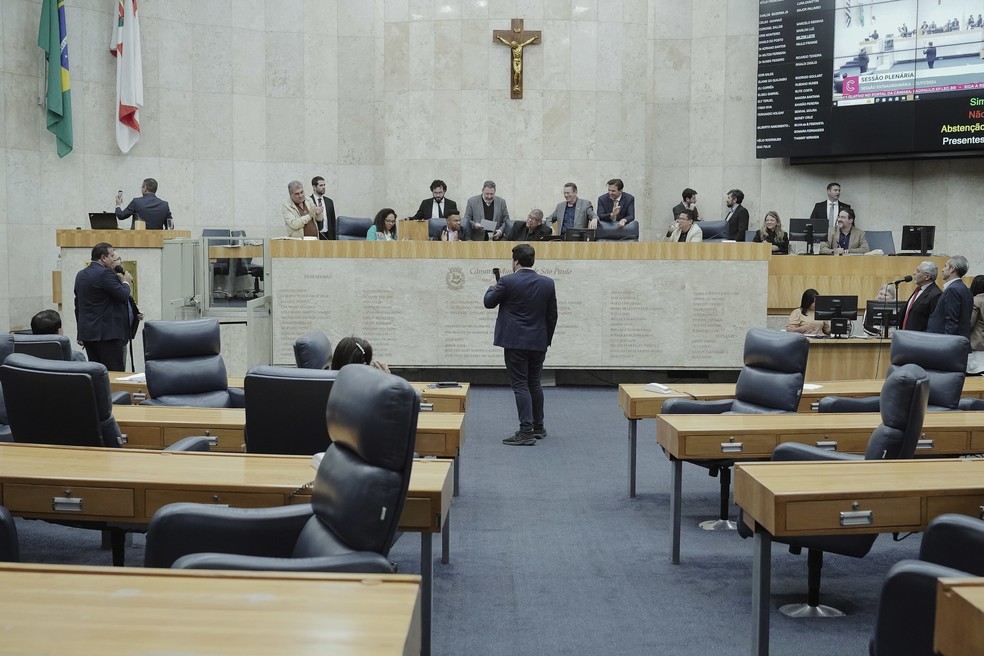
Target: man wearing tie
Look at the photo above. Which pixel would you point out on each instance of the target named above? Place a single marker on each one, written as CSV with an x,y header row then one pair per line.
x,y
324,209
737,216
923,301
830,208
952,313
437,207
616,206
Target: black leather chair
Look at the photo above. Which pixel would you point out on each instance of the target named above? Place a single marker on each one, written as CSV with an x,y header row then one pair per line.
x,y
312,351
944,358
713,230
183,365
904,399
359,493
249,265
951,547
352,228
6,348
9,547
50,347
285,410
609,231
771,382
434,227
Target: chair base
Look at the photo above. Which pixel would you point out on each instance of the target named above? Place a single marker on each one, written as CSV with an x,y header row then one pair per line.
x,y
806,610
719,525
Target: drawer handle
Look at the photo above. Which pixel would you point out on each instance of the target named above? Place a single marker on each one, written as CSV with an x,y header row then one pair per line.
x,y
981,512
732,447
857,518
123,438
815,406
826,445
66,504
426,407
212,441
925,444
139,396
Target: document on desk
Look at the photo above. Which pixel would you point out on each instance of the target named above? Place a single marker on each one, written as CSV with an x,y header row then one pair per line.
x,y
809,387
135,378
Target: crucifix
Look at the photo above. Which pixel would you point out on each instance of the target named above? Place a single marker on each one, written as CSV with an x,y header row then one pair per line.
x,y
516,38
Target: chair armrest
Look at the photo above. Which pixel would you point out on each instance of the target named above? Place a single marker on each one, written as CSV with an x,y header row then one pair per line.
x,y
971,404
121,398
360,562
955,541
237,398
179,529
194,443
795,452
847,404
691,407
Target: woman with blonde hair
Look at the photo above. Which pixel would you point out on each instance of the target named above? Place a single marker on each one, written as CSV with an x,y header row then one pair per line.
x,y
771,232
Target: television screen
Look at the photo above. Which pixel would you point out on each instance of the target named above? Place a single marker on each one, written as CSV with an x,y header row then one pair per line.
x,y
841,78
879,315
918,238
836,307
798,229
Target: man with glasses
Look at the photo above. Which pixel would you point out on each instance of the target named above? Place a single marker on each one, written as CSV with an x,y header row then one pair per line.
x,y
436,207
532,230
923,301
952,313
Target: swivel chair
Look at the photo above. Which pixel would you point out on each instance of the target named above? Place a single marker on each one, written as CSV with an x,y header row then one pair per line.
x,y
714,230
358,496
285,410
183,365
771,382
609,231
312,351
352,228
50,347
434,227
6,348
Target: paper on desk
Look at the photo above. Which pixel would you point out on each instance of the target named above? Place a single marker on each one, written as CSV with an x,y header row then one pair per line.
x,y
135,378
811,386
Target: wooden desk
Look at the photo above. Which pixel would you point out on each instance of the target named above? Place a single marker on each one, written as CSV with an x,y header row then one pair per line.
x,y
52,609
783,499
637,403
847,359
413,230
959,617
234,252
753,437
128,486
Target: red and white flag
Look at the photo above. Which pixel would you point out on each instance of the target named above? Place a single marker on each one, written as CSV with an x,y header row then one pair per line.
x,y
129,74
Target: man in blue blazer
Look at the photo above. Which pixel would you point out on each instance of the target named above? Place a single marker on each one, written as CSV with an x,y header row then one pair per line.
x,y
524,329
148,207
616,206
101,301
952,313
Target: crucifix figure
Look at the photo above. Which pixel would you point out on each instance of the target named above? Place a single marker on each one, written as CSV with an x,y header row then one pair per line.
x,y
516,38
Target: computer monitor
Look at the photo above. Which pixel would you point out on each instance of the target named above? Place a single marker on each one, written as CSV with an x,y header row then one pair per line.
x,y
579,234
838,310
103,221
812,231
879,316
918,238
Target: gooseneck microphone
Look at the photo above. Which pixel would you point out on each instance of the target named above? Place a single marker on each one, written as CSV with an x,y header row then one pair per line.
x,y
906,279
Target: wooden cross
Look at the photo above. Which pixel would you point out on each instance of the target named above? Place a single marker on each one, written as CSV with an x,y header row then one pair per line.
x,y
516,38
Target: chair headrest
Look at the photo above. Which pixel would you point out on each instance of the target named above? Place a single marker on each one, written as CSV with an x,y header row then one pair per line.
x,y
6,346
289,373
932,351
52,347
32,363
776,350
902,389
312,351
181,339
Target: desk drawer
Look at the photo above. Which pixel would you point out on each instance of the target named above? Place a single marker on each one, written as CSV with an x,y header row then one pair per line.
x,y
230,440
417,516
70,500
434,444
977,441
444,404
155,499
848,442
969,504
725,446
143,437
942,443
826,515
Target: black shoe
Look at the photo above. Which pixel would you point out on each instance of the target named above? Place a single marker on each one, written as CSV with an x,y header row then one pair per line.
x,y
539,433
520,439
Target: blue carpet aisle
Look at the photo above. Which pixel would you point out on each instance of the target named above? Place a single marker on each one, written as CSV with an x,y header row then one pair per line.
x,y
550,556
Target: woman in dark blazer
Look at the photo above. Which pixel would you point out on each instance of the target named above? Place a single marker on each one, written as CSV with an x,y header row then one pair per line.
x,y
772,232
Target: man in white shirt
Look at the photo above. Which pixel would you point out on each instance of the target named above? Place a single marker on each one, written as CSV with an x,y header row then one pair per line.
x,y
324,209
437,207
830,208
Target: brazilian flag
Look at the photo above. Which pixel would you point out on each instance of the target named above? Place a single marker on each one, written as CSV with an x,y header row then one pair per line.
x,y
53,39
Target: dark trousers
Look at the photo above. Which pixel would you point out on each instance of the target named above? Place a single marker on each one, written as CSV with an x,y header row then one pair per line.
x,y
525,368
111,353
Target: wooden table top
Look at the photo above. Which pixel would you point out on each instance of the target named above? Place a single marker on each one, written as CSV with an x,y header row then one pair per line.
x,y
51,609
959,617
798,423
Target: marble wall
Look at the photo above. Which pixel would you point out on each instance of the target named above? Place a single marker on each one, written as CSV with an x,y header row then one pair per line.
x,y
382,96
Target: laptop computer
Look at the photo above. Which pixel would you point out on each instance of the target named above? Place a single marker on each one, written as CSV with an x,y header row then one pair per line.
x,y
103,221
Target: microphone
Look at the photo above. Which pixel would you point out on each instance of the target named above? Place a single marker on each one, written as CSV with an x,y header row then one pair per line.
x,y
119,268
906,279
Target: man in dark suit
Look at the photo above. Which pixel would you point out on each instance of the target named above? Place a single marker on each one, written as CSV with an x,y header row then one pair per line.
x,y
923,301
101,301
524,329
437,207
616,206
830,208
737,216
689,204
532,230
324,209
150,209
573,212
952,313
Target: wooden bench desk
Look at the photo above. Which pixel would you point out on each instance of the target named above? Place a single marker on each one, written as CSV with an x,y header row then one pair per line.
x,y
61,609
959,617
127,486
785,499
753,437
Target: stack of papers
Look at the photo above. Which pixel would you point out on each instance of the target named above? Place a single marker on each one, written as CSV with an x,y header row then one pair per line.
x,y
135,378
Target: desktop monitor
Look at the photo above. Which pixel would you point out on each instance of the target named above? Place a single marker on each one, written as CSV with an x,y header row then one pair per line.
x,y
879,316
812,231
103,221
579,234
918,238
838,310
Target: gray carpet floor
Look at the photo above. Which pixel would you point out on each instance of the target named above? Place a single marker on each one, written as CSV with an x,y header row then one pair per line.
x,y
550,556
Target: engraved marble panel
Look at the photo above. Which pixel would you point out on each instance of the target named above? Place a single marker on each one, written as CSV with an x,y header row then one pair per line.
x,y
421,61
557,125
284,67
23,119
321,17
475,65
356,75
249,68
584,57
672,73
284,16
23,173
321,66
448,55
396,57
176,61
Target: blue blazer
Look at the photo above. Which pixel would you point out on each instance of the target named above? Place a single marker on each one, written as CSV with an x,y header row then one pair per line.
x,y
101,302
527,310
952,313
151,209
626,202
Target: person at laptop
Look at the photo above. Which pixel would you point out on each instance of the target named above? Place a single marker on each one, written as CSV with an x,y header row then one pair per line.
x,y
150,209
573,212
684,229
532,230
49,322
801,320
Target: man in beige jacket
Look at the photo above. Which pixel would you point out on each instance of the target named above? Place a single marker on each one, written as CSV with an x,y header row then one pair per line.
x,y
298,212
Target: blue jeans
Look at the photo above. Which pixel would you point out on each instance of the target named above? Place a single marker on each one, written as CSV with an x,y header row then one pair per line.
x,y
525,368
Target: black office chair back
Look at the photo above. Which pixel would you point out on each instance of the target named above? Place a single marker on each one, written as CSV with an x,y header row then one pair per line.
x,y
904,398
6,348
944,358
181,359
312,351
49,347
361,487
57,402
774,371
285,410
434,228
